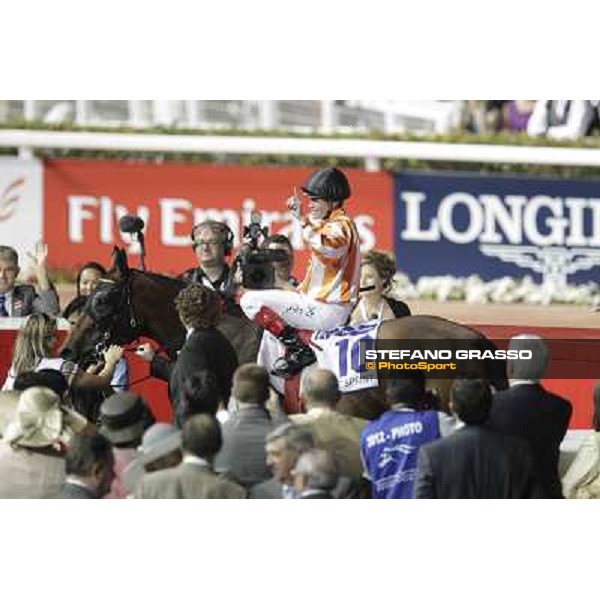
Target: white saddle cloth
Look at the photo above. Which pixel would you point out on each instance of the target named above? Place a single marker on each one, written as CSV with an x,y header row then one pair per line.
x,y
336,349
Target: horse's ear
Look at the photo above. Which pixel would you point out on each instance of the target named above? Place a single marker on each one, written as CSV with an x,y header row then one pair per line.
x,y
120,265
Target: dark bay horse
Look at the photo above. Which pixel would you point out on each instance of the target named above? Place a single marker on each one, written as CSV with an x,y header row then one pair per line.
x,y
130,304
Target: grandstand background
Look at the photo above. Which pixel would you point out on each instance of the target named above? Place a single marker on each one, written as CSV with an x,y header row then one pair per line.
x,y
325,116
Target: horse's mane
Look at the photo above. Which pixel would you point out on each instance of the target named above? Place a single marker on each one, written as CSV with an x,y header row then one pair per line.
x,y
159,277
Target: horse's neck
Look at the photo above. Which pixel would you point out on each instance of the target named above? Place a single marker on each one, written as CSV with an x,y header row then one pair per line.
x,y
156,312
170,336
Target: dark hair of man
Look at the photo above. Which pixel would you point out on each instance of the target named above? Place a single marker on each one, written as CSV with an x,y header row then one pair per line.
x,y
201,436
198,306
407,390
200,394
471,400
251,384
278,238
85,451
48,378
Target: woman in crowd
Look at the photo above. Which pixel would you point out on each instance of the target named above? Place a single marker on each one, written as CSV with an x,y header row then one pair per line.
x,y
376,273
88,277
86,282
33,351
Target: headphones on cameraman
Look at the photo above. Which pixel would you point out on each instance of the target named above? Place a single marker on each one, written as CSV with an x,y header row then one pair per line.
x,y
227,236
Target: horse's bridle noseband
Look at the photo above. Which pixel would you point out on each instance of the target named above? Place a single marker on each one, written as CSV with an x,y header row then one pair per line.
x,y
114,319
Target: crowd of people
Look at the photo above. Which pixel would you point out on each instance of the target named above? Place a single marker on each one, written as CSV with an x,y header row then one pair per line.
x,y
554,119
76,431
503,445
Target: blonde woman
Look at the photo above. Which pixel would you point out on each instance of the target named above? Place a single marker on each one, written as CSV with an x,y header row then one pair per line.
x,y
376,272
33,351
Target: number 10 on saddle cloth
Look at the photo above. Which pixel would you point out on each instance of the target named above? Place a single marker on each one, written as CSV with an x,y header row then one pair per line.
x,y
341,350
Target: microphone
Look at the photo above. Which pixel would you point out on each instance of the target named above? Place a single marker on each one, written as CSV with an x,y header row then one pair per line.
x,y
254,229
131,224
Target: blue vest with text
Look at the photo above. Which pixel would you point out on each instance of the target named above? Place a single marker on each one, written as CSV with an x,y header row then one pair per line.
x,y
390,446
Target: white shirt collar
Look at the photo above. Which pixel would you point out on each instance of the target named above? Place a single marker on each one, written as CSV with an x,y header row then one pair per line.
x,y
514,382
188,459
188,332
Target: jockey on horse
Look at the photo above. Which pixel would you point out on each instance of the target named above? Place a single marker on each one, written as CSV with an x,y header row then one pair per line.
x,y
324,300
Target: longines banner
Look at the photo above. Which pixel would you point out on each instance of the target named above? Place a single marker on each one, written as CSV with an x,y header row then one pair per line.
x,y
85,199
462,224
21,209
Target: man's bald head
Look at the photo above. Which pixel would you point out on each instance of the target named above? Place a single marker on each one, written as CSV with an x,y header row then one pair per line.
x,y
319,387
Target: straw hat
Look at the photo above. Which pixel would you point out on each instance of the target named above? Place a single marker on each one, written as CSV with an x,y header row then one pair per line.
x,y
39,420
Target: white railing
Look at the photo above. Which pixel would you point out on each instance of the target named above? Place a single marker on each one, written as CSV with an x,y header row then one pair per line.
x,y
323,116
369,150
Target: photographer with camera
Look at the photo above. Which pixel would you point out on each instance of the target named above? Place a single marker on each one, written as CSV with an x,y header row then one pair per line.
x,y
284,280
325,298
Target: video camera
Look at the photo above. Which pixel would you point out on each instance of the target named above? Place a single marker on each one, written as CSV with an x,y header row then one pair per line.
x,y
256,263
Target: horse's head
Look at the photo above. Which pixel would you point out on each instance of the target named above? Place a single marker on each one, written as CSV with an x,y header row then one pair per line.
x,y
108,316
127,304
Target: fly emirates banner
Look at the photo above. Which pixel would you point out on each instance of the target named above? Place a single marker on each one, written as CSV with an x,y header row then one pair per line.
x,y
84,200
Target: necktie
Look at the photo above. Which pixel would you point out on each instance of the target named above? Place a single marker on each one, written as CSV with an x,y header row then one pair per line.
x,y
3,311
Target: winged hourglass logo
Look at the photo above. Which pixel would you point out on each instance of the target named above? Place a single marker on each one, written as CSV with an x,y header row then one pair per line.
x,y
554,263
10,197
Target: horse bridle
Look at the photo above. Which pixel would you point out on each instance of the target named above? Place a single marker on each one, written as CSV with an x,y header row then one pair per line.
x,y
120,322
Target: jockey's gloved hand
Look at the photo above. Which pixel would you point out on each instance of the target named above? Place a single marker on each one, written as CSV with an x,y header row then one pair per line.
x,y
294,205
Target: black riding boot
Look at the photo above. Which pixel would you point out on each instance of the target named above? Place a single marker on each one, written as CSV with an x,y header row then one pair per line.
x,y
297,356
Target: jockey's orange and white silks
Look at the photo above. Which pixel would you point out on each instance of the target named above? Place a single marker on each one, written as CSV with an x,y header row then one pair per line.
x,y
333,274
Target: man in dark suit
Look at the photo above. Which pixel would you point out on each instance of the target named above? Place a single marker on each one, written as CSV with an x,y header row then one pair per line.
x,y
475,462
244,433
528,411
205,348
89,467
22,300
194,477
315,475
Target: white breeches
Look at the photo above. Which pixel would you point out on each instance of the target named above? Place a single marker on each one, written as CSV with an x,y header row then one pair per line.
x,y
296,309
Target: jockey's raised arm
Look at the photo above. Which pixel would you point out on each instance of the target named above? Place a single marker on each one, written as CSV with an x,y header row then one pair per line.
x,y
327,294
